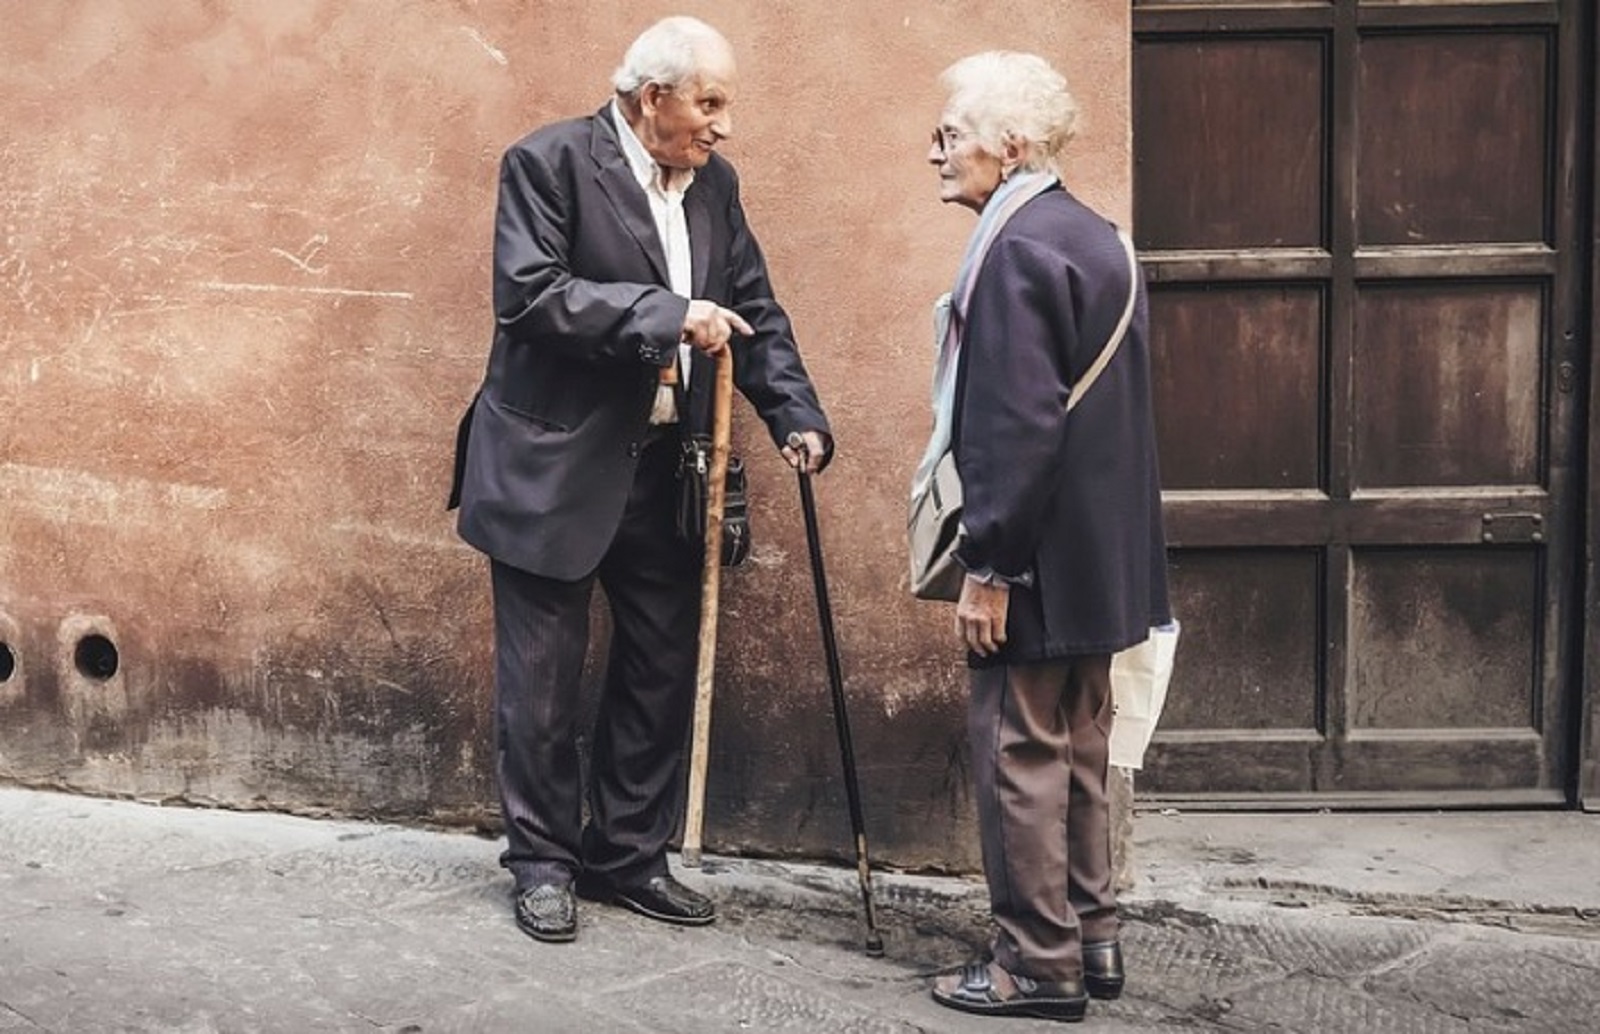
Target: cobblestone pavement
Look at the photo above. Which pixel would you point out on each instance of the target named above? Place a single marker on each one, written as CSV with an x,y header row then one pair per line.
x,y
117,916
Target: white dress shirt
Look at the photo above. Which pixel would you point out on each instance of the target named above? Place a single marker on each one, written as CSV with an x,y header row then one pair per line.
x,y
664,188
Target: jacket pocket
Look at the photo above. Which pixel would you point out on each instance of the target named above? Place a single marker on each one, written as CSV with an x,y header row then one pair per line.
x,y
543,423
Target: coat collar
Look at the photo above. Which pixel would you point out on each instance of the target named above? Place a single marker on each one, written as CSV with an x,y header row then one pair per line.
x,y
617,179
698,216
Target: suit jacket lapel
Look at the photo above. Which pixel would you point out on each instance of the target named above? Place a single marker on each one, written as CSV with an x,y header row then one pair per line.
x,y
699,220
616,178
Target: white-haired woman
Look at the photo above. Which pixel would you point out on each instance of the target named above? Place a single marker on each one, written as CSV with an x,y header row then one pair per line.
x,y
1061,530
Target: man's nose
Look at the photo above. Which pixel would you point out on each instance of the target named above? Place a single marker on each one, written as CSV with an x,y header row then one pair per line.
x,y
722,125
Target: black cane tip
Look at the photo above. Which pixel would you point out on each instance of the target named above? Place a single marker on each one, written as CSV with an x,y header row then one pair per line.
x,y
874,946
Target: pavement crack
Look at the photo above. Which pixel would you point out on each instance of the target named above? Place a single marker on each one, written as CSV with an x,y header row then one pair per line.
x,y
1561,960
1404,960
1436,1007
1501,914
1166,913
19,1014
655,976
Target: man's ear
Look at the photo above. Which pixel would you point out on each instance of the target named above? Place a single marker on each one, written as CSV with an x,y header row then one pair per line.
x,y
650,97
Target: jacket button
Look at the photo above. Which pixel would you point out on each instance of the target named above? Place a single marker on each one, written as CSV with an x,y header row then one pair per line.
x,y
633,450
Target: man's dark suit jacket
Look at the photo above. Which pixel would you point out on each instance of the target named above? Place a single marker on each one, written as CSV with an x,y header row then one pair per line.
x,y
583,317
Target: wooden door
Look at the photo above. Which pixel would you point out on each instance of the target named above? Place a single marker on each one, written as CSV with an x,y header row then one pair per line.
x,y
1361,226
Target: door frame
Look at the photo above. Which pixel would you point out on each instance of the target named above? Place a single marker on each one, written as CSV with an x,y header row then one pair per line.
x,y
1588,678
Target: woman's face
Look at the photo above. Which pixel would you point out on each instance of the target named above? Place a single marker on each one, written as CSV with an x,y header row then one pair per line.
x,y
968,174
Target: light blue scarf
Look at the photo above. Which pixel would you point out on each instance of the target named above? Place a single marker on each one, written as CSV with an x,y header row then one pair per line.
x,y
949,312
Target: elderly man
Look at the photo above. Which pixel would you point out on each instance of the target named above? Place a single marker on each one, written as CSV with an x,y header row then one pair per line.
x,y
623,265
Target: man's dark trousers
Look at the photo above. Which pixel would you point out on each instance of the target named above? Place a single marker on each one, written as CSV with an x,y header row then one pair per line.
x,y
652,582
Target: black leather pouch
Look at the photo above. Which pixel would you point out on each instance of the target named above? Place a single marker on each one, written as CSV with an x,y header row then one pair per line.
x,y
694,496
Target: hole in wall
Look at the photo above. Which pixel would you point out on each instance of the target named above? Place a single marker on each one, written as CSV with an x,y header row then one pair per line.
x,y
8,663
96,657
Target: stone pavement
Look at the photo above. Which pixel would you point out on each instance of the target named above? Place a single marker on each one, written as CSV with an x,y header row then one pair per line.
x,y
119,916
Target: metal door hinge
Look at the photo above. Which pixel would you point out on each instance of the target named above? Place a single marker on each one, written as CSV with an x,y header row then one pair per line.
x,y
1513,527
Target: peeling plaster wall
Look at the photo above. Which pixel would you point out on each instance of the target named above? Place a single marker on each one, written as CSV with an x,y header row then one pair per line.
x,y
243,272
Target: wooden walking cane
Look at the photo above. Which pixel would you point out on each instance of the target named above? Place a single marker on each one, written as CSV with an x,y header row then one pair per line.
x,y
710,581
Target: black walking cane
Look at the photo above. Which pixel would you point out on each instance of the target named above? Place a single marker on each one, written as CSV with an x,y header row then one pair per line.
x,y
841,718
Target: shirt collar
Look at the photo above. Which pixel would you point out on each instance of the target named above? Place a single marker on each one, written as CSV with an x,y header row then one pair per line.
x,y
644,167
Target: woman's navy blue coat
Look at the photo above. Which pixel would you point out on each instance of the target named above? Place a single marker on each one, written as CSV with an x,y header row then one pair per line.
x,y
1072,499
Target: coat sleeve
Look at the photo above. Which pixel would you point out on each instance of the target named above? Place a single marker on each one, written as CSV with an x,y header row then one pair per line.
x,y
1011,420
538,300
767,365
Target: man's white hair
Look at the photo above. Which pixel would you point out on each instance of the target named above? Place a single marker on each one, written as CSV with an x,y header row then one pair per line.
x,y
670,52
1003,95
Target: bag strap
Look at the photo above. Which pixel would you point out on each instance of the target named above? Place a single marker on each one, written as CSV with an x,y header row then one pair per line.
x,y
1104,359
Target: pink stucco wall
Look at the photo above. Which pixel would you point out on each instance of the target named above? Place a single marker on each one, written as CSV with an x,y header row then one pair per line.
x,y
243,267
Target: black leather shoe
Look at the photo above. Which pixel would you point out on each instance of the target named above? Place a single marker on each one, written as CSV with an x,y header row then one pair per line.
x,y
547,912
972,989
661,898
1102,969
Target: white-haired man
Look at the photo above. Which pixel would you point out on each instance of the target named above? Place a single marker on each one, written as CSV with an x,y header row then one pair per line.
x,y
623,265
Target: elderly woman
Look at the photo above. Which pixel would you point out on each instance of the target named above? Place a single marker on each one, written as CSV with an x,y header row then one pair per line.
x,y
1061,532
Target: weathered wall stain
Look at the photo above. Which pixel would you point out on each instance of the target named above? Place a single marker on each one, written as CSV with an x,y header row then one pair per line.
x,y
243,268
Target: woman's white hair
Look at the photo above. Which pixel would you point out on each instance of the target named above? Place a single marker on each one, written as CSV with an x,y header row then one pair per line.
x,y
1003,95
670,53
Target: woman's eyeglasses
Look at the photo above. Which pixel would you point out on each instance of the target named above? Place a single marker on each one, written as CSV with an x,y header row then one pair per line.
x,y
948,138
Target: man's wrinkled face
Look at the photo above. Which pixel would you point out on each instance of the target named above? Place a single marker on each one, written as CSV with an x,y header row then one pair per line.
x,y
683,125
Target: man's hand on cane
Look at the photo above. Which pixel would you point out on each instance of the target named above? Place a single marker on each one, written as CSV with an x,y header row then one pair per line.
x,y
709,326
808,451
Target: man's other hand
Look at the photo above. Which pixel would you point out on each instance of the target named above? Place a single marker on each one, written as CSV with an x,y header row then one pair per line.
x,y
813,448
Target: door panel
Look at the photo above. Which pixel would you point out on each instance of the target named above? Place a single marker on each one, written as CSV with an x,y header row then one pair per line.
x,y
1448,381
1360,226
1269,598
1447,640
1453,139
1201,189
1257,352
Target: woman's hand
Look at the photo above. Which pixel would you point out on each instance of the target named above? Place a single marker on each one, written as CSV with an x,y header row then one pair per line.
x,y
981,615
